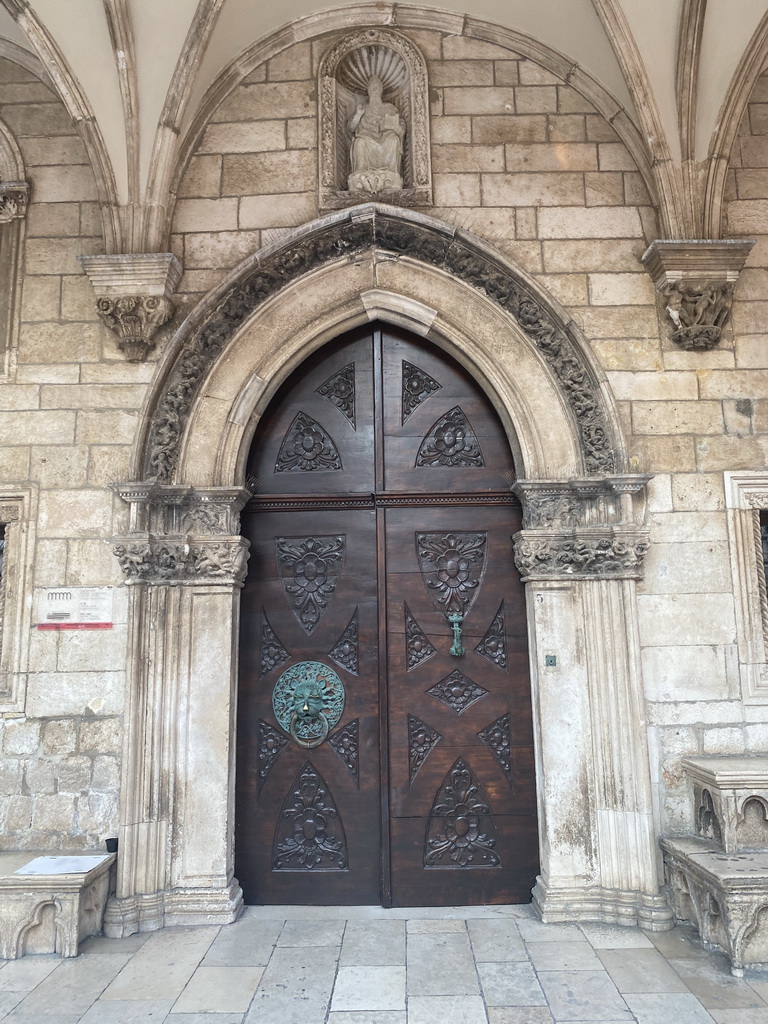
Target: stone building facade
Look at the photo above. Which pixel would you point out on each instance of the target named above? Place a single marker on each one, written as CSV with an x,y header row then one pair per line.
x,y
542,249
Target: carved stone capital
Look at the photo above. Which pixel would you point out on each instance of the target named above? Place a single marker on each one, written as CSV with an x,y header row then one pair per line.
x,y
580,554
133,296
145,558
582,528
695,278
579,502
135,320
14,196
199,512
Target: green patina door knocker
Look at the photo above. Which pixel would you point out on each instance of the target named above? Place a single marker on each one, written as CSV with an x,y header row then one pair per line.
x,y
308,701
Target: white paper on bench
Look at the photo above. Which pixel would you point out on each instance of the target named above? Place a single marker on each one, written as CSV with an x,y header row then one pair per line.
x,y
60,865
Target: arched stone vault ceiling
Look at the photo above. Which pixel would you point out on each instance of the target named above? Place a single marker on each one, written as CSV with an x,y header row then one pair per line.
x,y
133,73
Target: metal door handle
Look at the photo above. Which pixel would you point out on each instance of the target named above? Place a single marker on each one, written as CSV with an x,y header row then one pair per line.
x,y
456,619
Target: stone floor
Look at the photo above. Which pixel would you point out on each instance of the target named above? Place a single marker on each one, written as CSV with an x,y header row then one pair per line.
x,y
363,965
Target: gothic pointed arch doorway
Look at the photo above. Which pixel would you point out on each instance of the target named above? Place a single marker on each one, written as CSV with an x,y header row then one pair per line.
x,y
382,567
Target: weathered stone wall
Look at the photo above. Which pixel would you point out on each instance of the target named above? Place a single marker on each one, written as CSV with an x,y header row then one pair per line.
x,y
692,674
66,426
520,158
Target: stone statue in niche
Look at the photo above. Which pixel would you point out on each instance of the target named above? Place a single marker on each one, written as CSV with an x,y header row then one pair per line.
x,y
376,151
373,107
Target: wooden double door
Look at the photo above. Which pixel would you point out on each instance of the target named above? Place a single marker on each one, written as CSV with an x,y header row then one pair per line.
x,y
381,584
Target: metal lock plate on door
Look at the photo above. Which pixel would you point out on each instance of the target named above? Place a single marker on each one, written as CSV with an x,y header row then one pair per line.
x,y
308,701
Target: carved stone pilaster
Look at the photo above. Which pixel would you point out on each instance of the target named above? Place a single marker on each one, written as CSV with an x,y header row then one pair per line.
x,y
184,560
580,529
695,278
14,196
133,296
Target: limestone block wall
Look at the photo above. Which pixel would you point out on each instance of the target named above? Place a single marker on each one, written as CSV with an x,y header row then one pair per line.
x,y
67,421
693,678
526,162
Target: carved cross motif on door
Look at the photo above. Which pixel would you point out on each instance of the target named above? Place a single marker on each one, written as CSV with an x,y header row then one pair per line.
x,y
309,570
461,831
452,566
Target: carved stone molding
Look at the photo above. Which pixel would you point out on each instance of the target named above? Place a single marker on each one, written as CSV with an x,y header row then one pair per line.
x,y
14,196
746,495
695,278
348,236
133,296
342,77
580,528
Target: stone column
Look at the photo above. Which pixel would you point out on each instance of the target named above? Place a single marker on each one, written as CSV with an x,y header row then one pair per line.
x,y
580,553
184,561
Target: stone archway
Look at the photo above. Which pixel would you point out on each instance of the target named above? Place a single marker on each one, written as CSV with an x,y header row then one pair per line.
x,y
580,553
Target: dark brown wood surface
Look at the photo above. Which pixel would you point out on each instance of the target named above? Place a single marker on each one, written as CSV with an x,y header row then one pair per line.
x,y
379,512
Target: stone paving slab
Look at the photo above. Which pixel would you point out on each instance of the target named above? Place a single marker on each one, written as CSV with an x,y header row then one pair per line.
x,y
367,965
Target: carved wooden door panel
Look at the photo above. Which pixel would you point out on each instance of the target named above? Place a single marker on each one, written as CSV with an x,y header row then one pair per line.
x,y
382,557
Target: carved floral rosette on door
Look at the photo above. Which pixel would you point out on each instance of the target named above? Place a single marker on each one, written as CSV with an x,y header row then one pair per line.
x,y
385,726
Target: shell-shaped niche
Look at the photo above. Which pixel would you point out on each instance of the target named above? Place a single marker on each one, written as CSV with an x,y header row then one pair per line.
x,y
374,148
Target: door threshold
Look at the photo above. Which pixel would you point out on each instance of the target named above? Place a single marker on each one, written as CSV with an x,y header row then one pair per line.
x,y
293,913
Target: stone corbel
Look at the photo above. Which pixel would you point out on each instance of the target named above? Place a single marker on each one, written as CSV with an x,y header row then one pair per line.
x,y
133,296
580,529
14,196
695,278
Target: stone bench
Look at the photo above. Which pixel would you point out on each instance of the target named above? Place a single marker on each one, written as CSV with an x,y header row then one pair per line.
x,y
724,895
50,903
719,878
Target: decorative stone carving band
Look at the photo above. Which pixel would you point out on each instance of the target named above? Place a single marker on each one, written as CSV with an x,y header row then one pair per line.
x,y
580,556
133,296
14,196
177,560
348,236
695,279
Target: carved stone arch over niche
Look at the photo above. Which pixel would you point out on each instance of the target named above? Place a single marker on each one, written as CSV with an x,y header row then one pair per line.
x,y
343,77
496,319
